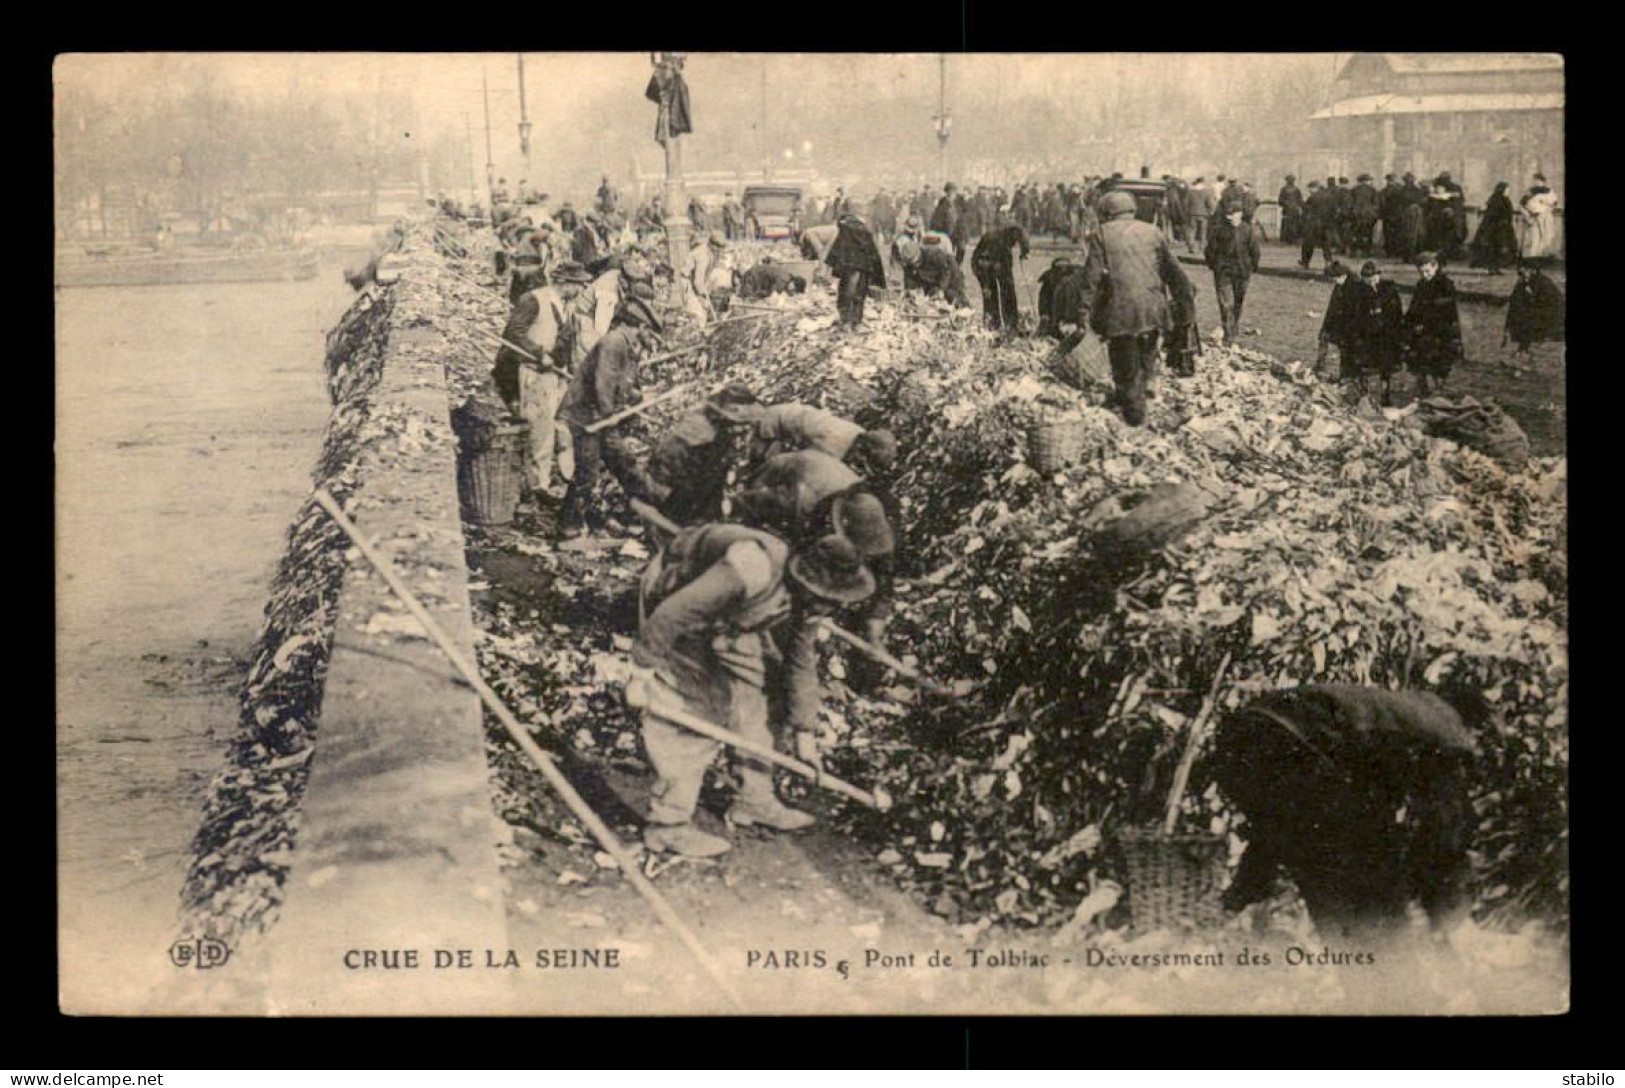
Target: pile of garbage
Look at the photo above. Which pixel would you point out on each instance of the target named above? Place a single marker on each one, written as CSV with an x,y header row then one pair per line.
x,y
1258,532
1294,540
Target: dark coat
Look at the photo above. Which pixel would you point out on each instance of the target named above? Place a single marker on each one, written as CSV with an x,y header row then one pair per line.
x,y
1360,794
607,380
1376,324
1290,198
1433,325
668,83
1231,252
1128,274
998,247
944,216
939,272
1496,242
763,280
1337,327
1061,297
1535,310
855,251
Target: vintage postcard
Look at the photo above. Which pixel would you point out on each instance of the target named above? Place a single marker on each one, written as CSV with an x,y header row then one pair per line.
x,y
627,533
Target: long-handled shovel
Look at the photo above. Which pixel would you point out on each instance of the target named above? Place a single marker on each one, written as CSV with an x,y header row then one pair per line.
x,y
878,801
544,762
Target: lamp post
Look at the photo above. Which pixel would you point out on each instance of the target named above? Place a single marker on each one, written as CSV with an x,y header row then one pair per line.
x,y
943,119
524,118
672,192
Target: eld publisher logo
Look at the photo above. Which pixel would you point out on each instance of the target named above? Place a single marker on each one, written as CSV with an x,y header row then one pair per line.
x,y
200,952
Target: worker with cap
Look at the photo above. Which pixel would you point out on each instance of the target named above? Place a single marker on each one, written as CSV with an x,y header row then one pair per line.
x,y
729,633
1360,795
694,462
710,277
932,271
1129,275
527,262
605,384
531,380
855,261
994,262
770,278
807,494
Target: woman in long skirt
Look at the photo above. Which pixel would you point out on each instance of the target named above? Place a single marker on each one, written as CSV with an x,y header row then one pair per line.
x,y
1495,245
1539,208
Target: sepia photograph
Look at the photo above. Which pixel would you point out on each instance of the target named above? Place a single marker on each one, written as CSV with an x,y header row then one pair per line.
x,y
661,533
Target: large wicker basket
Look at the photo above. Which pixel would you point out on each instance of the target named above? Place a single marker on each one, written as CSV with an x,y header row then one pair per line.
x,y
1054,444
1174,881
490,474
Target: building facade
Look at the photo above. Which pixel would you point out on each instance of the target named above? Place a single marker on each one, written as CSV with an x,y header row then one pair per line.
x,y
1484,117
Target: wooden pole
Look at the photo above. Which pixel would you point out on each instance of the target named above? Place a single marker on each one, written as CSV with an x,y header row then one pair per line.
x,y
1193,743
544,762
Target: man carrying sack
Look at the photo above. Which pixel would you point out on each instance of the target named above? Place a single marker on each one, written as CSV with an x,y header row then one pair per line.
x,y
729,625
532,379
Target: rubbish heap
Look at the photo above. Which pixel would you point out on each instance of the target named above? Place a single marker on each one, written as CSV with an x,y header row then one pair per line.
x,y
1283,538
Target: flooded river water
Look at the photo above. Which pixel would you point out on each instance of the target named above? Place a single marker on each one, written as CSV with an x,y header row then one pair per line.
x,y
188,421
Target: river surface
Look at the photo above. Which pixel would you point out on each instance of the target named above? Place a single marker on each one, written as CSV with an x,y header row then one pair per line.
x,y
188,419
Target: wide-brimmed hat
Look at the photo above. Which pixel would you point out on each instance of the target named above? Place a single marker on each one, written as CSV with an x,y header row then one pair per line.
x,y
878,447
859,516
832,568
571,272
735,402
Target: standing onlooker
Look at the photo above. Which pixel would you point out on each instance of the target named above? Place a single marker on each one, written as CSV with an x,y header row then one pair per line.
x,y
1376,331
1367,209
1318,226
1539,207
1201,208
1290,199
1495,244
1232,253
1534,311
1336,326
1432,327
1392,205
855,260
1129,273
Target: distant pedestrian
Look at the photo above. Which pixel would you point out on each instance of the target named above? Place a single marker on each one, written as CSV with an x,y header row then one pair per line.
x,y
1319,227
1365,208
1336,327
994,263
1290,199
1201,208
1495,244
1232,253
1539,208
1534,311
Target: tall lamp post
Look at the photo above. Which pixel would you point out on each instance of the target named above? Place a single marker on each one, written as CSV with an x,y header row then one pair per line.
x,y
524,118
944,120
668,67
490,166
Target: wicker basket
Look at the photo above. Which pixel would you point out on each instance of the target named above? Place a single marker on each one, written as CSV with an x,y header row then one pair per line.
x,y
1054,444
1174,881
490,477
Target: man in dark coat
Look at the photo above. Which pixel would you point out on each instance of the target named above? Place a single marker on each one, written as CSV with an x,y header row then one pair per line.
x,y
1336,327
1366,209
1232,252
770,278
932,270
1291,200
1495,244
1345,212
1412,218
1319,228
1391,204
994,263
1376,332
855,260
1534,310
1129,274
945,213
1432,327
1061,300
605,384
1360,795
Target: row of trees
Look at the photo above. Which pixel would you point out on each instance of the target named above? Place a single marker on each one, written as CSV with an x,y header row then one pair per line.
x,y
194,145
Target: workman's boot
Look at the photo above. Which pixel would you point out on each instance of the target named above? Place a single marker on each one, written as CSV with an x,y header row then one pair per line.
x,y
684,839
773,813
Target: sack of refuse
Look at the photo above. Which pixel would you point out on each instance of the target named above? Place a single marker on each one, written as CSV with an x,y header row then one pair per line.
x,y
1476,425
1139,522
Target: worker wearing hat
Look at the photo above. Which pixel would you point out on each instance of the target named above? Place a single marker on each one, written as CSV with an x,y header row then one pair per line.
x,y
1129,306
604,385
729,629
711,277
530,375
1365,208
694,460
